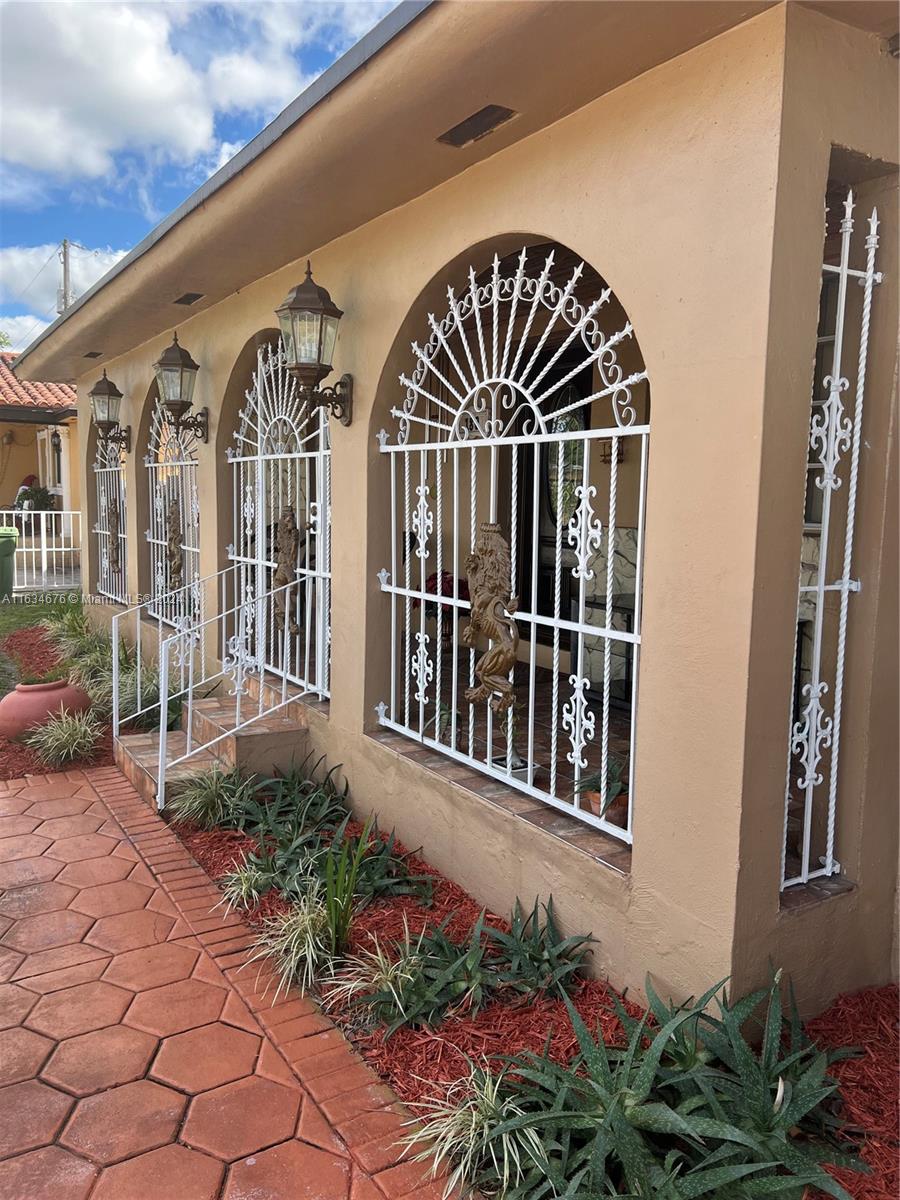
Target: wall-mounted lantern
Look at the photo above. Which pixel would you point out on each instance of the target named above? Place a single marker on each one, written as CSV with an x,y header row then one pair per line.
x,y
309,321
106,400
176,374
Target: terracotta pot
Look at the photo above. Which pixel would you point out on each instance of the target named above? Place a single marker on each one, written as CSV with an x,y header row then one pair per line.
x,y
30,704
616,813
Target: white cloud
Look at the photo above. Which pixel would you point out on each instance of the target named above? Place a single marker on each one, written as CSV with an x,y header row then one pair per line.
x,y
81,83
30,275
22,330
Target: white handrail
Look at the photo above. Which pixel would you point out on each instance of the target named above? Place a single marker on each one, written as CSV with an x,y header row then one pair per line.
x,y
244,657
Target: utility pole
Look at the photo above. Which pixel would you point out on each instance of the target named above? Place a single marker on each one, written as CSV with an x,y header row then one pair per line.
x,y
64,298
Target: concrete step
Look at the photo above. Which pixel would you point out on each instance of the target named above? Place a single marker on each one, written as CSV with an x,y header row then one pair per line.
x,y
137,756
274,742
271,687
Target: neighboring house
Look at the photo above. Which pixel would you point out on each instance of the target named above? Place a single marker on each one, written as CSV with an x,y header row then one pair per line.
x,y
31,413
588,597
39,446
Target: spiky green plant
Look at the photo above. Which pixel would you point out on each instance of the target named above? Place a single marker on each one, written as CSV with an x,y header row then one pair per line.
x,y
534,956
65,738
340,873
245,886
479,1130
299,942
212,797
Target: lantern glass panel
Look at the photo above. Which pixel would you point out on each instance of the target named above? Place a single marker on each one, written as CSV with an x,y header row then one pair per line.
x,y
329,337
307,325
105,407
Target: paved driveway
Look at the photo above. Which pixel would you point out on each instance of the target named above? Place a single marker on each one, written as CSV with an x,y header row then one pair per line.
x,y
137,1060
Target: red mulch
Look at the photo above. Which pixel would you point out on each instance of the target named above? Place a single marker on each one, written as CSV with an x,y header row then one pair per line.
x,y
33,650
18,760
421,1063
870,1084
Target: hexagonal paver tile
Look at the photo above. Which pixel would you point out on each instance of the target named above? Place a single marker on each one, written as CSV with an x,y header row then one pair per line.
x,y
31,1115
176,1007
22,1053
48,1174
11,826
124,1121
46,930
10,961
111,898
79,1009
66,827
241,1118
175,1171
59,789
89,845
56,960
101,1059
15,1005
36,898
90,872
48,810
274,1174
23,871
26,845
152,966
206,1057
12,806
130,930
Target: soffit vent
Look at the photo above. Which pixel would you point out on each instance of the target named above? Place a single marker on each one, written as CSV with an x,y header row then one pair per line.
x,y
479,125
94,354
190,298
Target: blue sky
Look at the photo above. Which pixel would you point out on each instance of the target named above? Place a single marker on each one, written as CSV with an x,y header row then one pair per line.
x,y
112,113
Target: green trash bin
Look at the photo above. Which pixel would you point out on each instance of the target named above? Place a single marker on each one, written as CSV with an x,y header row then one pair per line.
x,y
9,537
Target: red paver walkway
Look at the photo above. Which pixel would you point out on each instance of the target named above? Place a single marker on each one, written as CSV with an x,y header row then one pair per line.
x,y
137,1060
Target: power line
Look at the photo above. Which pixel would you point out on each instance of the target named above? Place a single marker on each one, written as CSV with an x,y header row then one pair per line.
x,y
39,271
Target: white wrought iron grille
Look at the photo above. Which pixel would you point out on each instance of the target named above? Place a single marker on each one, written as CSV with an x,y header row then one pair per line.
x,y
518,478
826,557
111,524
281,461
174,533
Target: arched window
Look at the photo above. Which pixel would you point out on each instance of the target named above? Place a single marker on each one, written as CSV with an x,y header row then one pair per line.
x,y
174,533
281,463
518,476
110,527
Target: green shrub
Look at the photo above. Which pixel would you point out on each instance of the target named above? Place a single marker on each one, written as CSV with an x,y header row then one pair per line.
x,y
213,797
535,957
65,738
689,1108
51,676
340,872
299,941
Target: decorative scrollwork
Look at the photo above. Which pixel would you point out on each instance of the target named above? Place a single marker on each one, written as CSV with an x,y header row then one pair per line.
x,y
422,668
491,616
489,362
422,521
830,433
578,721
811,735
585,532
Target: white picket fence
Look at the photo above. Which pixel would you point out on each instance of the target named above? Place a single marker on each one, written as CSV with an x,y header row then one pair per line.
x,y
48,552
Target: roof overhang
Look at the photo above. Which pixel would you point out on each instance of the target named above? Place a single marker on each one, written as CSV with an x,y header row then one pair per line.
x,y
361,140
22,414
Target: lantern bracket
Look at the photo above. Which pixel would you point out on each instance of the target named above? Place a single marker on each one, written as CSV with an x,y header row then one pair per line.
x,y
112,433
196,423
338,399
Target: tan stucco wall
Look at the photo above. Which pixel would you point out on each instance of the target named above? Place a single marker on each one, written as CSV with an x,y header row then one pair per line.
x,y
18,458
669,187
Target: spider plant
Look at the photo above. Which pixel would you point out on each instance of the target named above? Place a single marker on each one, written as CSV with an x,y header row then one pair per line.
x,y
300,943
376,980
213,797
244,887
475,1127
65,738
